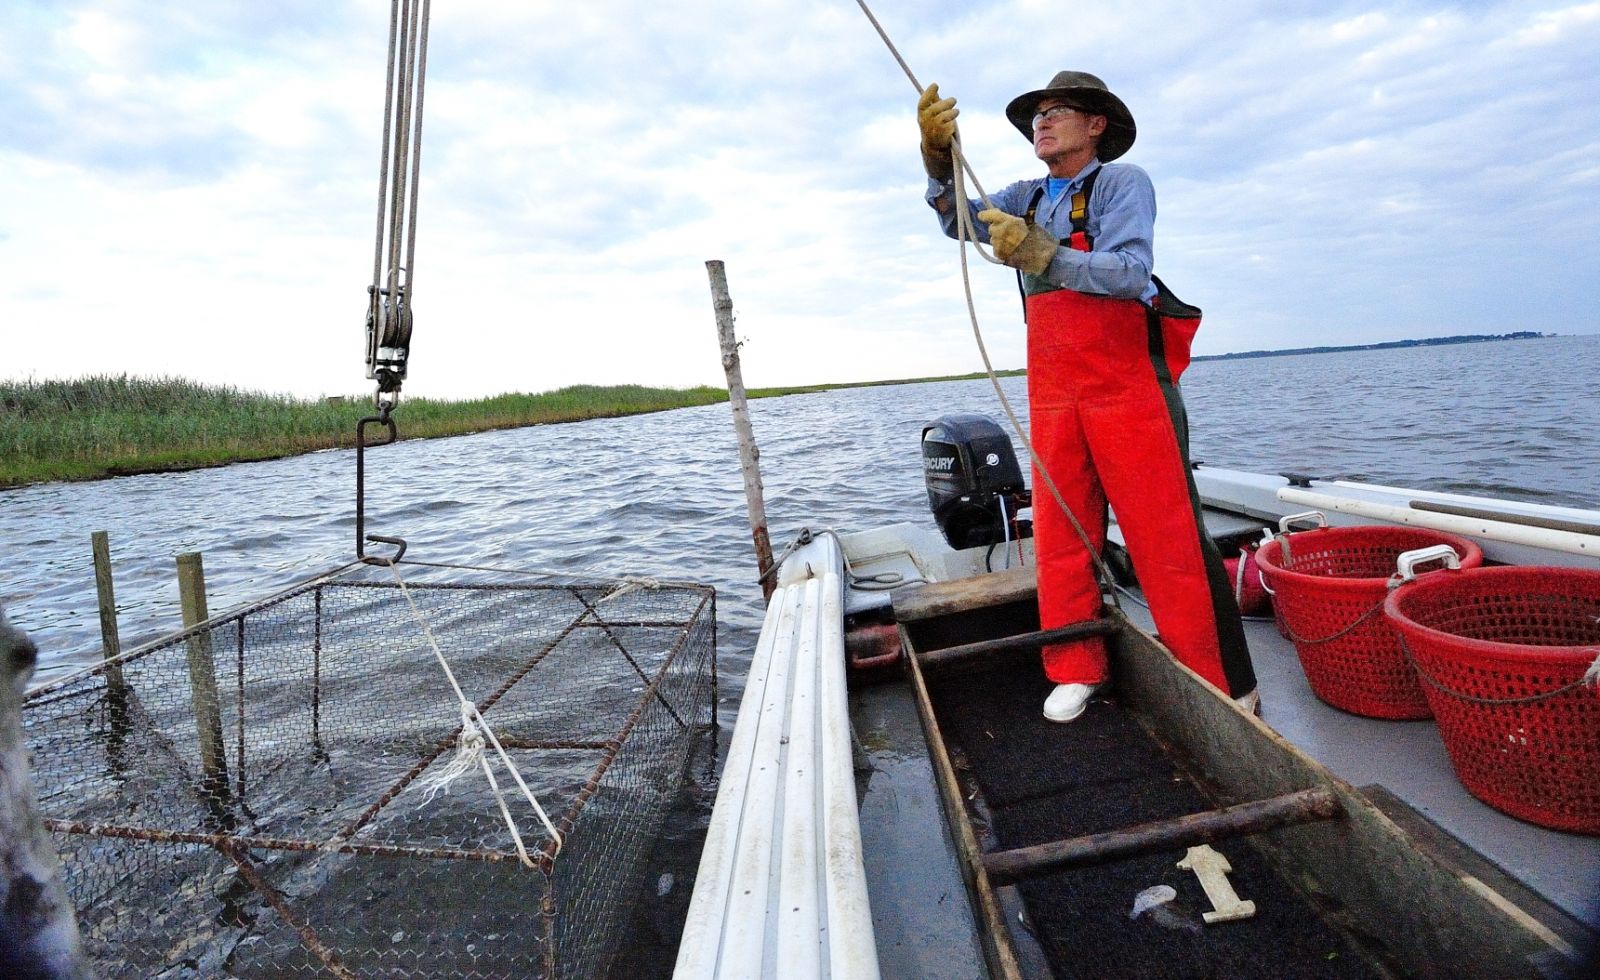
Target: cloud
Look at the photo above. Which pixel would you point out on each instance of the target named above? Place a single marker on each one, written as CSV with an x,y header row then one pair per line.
x,y
193,189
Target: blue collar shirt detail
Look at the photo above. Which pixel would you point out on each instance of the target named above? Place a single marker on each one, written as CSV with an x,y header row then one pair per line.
x,y
1121,223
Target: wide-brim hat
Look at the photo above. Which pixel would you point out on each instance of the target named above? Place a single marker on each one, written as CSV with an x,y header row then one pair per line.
x,y
1086,90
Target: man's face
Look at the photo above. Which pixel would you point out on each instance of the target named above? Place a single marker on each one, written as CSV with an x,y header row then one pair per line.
x,y
1061,129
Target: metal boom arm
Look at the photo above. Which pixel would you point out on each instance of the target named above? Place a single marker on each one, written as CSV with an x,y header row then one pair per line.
x,y
389,296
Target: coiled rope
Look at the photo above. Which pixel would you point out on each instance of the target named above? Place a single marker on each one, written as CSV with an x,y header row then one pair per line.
x,y
966,233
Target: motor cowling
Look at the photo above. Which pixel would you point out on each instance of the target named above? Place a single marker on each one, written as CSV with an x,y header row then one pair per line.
x,y
974,483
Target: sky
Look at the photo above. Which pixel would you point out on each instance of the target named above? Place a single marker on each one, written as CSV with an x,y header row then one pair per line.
x,y
191,189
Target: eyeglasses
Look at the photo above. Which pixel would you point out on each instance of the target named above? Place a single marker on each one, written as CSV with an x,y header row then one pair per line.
x,y
1054,111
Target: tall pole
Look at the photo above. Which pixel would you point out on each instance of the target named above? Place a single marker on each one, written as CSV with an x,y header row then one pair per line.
x,y
749,456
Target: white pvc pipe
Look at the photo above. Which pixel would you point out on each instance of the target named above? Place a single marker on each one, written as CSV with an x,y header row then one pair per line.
x,y
1566,542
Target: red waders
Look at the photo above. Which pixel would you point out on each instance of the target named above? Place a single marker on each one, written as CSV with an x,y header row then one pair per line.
x,y
1108,422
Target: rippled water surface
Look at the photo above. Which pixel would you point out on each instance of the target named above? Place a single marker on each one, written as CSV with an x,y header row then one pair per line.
x,y
662,495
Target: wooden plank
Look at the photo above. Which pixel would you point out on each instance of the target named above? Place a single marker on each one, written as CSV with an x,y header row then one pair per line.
x,y
998,950
944,598
1561,931
1389,895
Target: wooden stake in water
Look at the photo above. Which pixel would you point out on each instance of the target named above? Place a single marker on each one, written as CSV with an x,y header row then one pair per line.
x,y
202,674
749,456
108,607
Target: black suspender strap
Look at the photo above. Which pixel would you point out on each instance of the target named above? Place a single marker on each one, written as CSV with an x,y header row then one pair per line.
x,y
1033,208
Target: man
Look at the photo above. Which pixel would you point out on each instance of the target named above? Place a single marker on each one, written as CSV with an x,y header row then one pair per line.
x,y
1106,345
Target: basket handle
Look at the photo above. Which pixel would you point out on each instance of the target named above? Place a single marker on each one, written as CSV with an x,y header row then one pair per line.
x,y
1408,561
1315,517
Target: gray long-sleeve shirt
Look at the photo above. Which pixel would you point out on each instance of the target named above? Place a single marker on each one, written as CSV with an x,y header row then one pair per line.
x,y
1121,223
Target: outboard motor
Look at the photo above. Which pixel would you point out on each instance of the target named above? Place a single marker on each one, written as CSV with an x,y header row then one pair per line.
x,y
974,483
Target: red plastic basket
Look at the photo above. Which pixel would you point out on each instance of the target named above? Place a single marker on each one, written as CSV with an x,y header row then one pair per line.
x,y
1329,595
1247,591
1502,653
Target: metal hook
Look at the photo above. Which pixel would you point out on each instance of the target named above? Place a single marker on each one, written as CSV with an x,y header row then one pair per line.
x,y
385,419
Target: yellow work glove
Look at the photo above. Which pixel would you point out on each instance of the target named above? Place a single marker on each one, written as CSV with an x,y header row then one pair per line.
x,y
937,119
1019,244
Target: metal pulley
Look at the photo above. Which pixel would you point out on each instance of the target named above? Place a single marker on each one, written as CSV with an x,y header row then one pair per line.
x,y
388,342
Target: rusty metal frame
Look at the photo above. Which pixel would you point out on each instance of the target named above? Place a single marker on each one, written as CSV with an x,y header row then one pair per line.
x,y
236,847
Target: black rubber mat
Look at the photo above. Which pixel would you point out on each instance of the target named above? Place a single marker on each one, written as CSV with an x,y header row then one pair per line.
x,y
1044,782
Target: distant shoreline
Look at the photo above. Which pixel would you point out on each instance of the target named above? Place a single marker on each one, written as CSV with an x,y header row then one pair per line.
x,y
100,427
1477,338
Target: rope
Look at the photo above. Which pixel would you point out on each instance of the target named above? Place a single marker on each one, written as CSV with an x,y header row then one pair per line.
x,y
470,744
1591,677
1334,636
965,232
878,582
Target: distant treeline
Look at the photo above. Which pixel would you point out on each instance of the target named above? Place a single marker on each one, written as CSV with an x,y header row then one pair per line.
x,y
1477,338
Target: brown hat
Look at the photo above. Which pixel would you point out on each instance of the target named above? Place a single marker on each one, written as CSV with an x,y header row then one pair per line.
x,y
1081,89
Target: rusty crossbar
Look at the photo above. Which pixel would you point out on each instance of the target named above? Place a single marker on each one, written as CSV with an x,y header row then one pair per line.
x,y
967,653
308,936
570,818
157,835
1304,806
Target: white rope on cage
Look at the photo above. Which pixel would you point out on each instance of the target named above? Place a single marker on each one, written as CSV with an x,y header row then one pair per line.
x,y
470,744
625,583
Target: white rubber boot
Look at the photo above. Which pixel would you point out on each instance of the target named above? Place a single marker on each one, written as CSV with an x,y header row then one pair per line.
x,y
1067,702
1250,702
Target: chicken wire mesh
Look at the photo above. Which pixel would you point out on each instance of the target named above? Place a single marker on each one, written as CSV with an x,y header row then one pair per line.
x,y
249,798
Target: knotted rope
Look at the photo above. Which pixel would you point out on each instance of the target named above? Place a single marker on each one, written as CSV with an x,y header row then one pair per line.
x,y
476,735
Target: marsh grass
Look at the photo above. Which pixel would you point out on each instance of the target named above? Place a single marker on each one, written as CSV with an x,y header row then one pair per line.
x,y
108,425
111,425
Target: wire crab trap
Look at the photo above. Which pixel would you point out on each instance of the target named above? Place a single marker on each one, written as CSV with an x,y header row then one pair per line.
x,y
261,795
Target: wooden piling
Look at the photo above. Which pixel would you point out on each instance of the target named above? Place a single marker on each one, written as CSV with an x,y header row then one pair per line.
x,y
749,456
202,674
109,639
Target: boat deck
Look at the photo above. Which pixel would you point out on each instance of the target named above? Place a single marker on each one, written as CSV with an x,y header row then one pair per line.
x,y
1405,761
1401,766
1043,782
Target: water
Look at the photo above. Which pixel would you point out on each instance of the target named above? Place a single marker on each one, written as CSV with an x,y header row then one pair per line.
x,y
662,494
